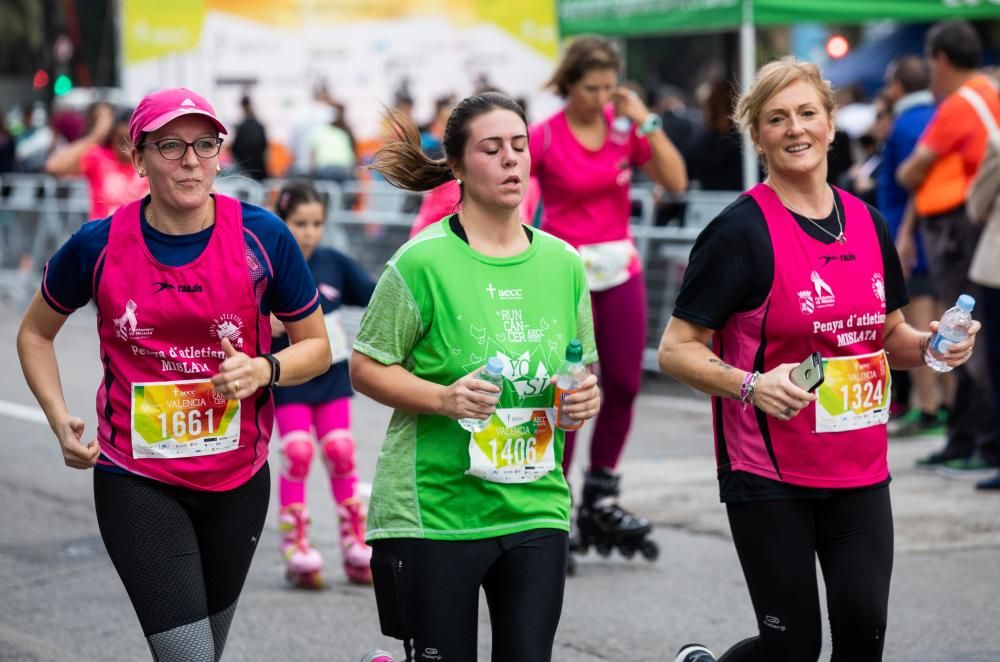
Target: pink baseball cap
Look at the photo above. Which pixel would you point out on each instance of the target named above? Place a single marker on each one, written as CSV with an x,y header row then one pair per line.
x,y
158,108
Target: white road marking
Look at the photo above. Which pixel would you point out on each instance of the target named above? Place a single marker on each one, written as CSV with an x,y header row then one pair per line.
x,y
23,412
35,415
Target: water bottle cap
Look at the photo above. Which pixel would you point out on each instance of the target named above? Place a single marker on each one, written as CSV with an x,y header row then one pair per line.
x,y
966,303
574,351
494,366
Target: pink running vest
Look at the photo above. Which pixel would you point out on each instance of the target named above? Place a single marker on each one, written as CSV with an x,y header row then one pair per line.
x,y
828,298
158,323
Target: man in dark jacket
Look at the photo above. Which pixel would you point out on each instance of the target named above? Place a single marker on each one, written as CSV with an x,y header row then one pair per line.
x,y
250,144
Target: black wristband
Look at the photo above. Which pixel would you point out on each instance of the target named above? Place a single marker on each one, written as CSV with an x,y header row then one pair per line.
x,y
275,369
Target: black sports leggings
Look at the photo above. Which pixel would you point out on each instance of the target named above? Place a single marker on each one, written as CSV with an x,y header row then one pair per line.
x,y
778,542
182,555
428,594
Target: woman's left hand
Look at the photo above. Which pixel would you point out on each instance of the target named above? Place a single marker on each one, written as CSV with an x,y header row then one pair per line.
x,y
960,352
628,104
583,403
237,377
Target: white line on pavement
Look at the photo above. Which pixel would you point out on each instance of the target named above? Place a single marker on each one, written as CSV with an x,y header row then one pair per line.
x,y
35,415
23,412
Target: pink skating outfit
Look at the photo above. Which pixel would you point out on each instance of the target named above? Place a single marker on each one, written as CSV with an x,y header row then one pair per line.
x,y
320,409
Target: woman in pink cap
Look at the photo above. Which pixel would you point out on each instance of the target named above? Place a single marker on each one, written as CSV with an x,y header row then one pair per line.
x,y
184,281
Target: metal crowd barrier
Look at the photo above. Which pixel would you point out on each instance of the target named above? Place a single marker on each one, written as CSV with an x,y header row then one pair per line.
x,y
37,214
368,220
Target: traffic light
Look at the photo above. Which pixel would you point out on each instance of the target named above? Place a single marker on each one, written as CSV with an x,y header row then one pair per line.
x,y
41,79
62,85
837,46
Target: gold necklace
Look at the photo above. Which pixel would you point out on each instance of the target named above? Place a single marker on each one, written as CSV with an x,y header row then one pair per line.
x,y
840,237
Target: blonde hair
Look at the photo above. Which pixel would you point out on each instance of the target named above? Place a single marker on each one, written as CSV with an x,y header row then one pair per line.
x,y
772,78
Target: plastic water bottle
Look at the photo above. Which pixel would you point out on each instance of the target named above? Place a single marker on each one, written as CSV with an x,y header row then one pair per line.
x,y
493,373
954,328
571,374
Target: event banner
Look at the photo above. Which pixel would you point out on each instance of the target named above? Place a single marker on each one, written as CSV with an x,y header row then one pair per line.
x,y
363,53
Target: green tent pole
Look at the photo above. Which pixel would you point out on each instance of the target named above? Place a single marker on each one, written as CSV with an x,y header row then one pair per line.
x,y
748,67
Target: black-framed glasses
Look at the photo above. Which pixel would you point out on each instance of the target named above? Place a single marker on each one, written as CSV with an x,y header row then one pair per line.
x,y
173,149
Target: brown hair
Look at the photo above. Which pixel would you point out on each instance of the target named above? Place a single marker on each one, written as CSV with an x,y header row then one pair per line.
x,y
584,55
910,71
719,105
405,165
295,193
771,79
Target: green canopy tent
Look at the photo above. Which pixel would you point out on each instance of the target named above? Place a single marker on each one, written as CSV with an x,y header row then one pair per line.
x,y
645,17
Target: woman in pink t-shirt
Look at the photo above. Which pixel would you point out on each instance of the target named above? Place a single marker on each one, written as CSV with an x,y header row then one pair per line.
x,y
583,157
100,156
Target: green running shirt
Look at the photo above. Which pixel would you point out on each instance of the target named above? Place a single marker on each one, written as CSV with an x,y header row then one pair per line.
x,y
440,310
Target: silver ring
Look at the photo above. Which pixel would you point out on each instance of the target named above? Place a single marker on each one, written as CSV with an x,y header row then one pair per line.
x,y
236,384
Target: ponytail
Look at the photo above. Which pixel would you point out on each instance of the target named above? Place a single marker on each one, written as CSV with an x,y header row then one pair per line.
x,y
403,163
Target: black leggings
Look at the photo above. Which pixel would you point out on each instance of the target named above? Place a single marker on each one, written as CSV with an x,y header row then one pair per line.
x,y
182,555
778,542
428,594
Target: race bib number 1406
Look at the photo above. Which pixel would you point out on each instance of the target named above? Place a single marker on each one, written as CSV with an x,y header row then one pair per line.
x,y
515,447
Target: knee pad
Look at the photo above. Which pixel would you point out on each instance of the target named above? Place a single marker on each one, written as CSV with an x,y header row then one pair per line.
x,y
338,452
298,452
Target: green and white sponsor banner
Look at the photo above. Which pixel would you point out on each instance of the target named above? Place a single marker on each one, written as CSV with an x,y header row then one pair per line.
x,y
621,17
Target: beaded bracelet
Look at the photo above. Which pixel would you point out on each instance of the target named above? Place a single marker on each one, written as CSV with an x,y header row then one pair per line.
x,y
748,388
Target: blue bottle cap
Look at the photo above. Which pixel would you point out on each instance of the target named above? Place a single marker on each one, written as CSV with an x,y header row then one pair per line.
x,y
966,303
494,366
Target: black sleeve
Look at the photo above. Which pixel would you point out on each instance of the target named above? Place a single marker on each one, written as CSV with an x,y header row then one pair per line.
x,y
730,268
895,283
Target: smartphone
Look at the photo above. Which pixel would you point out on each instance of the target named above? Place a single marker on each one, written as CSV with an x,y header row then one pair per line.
x,y
808,375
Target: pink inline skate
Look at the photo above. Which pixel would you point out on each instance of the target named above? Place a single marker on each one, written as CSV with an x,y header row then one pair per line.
x,y
357,555
303,563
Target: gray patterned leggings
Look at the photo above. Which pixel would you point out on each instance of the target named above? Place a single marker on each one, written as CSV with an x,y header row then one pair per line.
x,y
182,555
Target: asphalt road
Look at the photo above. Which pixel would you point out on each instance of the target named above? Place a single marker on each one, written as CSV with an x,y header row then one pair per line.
x,y
60,598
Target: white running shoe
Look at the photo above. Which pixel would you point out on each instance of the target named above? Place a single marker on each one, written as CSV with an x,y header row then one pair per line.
x,y
694,653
